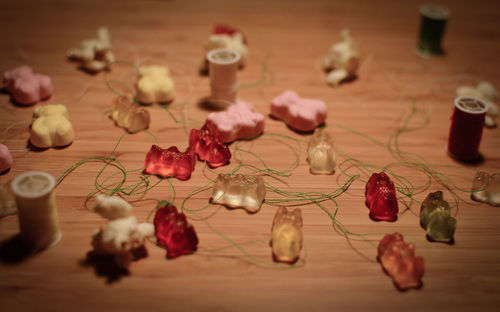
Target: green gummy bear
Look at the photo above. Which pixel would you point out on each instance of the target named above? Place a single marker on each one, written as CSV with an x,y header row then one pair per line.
x,y
436,220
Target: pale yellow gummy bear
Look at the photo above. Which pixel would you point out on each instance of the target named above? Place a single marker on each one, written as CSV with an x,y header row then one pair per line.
x,y
51,126
155,85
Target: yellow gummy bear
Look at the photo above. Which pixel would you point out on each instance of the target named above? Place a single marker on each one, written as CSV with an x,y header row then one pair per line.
x,y
155,85
51,126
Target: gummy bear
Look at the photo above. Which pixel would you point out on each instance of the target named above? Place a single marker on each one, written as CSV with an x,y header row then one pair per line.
x,y
398,260
173,231
321,153
226,37
7,200
486,92
169,162
299,114
122,235
435,218
222,29
155,85
238,122
51,126
5,158
94,54
486,188
129,115
26,87
381,198
286,235
207,145
247,192
342,60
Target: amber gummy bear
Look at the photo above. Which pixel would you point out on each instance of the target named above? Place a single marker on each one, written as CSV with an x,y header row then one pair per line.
x,y
286,235
130,116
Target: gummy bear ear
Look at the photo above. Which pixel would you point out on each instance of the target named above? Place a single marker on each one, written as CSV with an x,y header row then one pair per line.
x,y
297,215
280,212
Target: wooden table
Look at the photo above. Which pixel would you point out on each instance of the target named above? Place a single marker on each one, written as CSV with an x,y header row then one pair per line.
x,y
286,40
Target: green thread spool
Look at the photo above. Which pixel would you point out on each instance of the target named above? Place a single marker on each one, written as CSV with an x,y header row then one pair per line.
x,y
433,24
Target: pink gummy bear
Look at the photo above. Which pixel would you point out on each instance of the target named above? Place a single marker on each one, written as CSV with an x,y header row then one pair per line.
x,y
298,113
207,145
399,261
173,231
381,198
238,122
5,158
170,162
26,87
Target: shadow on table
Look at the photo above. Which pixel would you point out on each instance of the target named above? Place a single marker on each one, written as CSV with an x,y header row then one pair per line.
x,y
105,265
14,250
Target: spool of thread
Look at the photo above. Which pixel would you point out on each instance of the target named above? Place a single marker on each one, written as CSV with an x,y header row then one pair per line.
x,y
37,209
223,68
466,129
432,27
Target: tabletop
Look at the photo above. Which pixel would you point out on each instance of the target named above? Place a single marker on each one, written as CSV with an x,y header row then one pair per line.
x,y
394,117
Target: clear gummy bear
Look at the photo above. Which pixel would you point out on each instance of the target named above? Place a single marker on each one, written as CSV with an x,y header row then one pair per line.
x,y
129,115
239,191
321,153
286,235
486,188
435,218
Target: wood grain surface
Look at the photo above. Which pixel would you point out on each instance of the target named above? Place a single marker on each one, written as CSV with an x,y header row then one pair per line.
x,y
286,40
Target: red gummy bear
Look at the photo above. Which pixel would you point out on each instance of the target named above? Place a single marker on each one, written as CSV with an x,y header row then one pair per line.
x,y
381,198
207,144
399,261
222,29
169,162
173,231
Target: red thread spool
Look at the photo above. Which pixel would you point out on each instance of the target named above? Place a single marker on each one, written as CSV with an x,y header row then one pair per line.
x,y
466,129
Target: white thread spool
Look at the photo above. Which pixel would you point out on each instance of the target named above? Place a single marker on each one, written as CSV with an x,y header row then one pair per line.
x,y
223,69
37,209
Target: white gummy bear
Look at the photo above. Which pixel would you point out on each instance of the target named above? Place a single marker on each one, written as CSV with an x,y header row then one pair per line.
x,y
341,60
94,55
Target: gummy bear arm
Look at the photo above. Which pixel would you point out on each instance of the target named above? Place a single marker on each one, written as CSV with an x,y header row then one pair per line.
x,y
336,76
40,136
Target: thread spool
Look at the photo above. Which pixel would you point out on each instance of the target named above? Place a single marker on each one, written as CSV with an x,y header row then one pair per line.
x,y
466,128
37,209
223,68
432,27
